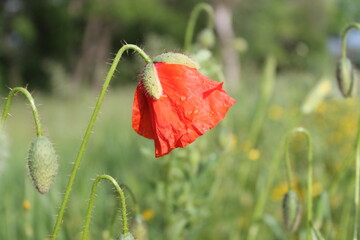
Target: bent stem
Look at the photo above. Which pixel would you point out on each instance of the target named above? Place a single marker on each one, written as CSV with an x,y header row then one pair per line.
x,y
28,96
136,206
343,37
192,21
309,175
91,203
114,216
90,127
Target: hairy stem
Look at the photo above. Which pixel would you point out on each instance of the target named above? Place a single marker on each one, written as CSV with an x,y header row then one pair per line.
x,y
90,128
136,206
28,96
192,21
91,203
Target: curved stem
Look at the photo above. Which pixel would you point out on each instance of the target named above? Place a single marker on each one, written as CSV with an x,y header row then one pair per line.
x,y
192,21
91,203
343,37
309,176
28,96
136,206
90,127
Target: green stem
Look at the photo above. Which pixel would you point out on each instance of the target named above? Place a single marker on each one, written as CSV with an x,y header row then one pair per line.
x,y
357,183
28,96
260,204
91,203
289,175
267,89
90,127
309,179
343,37
192,21
136,206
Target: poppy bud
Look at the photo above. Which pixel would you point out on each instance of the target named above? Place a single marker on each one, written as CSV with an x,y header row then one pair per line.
x,y
188,105
345,77
127,236
42,164
176,58
151,81
206,38
139,228
291,211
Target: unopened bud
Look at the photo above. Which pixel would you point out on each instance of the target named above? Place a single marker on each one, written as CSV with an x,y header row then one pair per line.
x,y
151,81
42,164
292,211
176,58
345,77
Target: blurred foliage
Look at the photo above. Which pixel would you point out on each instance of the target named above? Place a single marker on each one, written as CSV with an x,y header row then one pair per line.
x,y
34,32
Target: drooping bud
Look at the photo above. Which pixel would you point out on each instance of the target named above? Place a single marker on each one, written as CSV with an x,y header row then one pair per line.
x,y
42,164
206,38
176,58
292,211
138,227
151,81
345,77
127,236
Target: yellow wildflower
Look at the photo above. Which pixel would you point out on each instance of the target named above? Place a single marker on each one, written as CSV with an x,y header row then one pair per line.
x,y
26,205
254,154
148,214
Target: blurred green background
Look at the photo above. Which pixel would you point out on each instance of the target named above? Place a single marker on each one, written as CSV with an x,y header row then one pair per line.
x,y
41,39
277,59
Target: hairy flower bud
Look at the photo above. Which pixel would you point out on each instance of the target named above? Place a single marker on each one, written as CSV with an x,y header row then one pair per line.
x,y
345,77
176,58
291,210
42,164
151,81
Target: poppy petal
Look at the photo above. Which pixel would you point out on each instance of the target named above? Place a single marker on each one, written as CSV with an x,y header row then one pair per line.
x,y
141,116
191,105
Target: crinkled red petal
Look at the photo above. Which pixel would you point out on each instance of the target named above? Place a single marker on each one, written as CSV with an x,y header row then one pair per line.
x,y
191,104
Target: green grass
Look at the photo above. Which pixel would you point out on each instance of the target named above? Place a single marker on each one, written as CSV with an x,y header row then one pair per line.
x,y
206,191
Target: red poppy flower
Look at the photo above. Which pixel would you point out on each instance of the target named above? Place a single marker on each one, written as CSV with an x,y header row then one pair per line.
x,y
190,104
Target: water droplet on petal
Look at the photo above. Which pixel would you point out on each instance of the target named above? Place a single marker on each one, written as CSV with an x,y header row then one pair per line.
x,y
190,112
196,111
182,98
227,103
211,114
